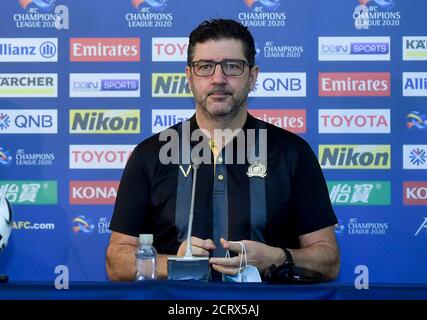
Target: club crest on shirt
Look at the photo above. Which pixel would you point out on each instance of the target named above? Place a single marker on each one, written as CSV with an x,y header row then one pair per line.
x,y
257,169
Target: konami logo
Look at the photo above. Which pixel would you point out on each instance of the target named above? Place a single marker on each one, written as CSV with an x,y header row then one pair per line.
x,y
169,49
354,121
353,84
415,192
293,120
93,192
104,49
112,156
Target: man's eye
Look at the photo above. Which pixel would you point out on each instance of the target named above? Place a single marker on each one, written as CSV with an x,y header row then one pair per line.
x,y
233,66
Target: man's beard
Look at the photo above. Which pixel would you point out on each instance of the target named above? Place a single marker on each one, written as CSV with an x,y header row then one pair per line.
x,y
227,111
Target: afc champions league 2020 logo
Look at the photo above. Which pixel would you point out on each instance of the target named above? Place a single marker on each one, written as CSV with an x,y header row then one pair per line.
x,y
42,5
375,13
151,14
42,14
263,13
157,5
271,5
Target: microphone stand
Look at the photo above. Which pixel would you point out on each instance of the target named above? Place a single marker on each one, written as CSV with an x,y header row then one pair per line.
x,y
189,267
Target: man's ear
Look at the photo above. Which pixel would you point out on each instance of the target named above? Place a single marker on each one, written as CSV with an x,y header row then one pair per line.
x,y
253,76
189,77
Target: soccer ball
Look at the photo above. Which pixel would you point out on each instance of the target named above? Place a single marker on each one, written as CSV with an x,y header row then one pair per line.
x,y
5,221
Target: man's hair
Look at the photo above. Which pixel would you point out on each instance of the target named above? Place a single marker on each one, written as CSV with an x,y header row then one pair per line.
x,y
217,29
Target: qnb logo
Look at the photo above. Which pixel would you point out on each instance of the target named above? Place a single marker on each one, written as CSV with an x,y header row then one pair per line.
x,y
4,121
28,121
354,156
417,120
42,5
157,5
83,224
276,84
418,156
415,192
267,4
415,156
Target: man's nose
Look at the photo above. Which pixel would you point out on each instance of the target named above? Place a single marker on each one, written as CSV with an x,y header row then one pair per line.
x,y
218,76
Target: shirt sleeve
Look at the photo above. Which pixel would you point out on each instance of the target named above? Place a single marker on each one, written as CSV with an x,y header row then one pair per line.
x,y
131,210
311,202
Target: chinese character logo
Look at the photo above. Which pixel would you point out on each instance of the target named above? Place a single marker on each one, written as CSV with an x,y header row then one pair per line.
x,y
42,5
418,156
268,4
5,157
81,223
4,121
158,5
417,120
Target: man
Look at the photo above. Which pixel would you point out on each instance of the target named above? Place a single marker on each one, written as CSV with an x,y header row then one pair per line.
x,y
278,208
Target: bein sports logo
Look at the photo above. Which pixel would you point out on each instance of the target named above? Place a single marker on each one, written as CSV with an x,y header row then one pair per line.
x,y
5,157
383,4
417,120
81,223
42,5
4,121
268,4
157,5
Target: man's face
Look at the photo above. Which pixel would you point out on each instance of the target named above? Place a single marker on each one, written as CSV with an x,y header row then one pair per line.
x,y
220,96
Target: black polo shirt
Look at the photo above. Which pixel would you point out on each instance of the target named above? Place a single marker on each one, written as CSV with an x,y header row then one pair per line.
x,y
290,200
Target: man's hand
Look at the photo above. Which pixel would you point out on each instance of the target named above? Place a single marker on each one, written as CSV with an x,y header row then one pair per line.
x,y
199,247
258,254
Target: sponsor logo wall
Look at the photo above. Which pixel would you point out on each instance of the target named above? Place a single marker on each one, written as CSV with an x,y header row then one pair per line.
x,y
78,92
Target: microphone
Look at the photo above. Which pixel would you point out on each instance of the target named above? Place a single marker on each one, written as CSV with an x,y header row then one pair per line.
x,y
189,267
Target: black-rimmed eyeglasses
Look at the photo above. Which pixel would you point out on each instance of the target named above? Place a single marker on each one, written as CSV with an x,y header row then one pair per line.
x,y
230,67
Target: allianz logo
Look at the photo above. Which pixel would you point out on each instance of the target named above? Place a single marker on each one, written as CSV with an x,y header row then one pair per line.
x,y
47,50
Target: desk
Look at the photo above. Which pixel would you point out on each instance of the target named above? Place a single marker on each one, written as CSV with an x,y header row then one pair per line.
x,y
193,290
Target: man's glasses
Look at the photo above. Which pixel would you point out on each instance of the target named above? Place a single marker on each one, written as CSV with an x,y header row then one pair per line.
x,y
230,67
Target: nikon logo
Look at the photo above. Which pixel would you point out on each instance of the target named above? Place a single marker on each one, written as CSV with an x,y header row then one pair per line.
x,y
168,85
354,156
105,121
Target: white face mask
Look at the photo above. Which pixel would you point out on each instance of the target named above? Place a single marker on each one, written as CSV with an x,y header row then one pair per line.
x,y
246,273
